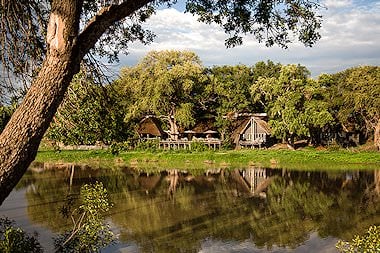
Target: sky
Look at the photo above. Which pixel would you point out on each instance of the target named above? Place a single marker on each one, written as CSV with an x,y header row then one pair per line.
x,y
350,37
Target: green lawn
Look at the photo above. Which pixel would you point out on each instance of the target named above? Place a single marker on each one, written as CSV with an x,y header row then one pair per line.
x,y
299,159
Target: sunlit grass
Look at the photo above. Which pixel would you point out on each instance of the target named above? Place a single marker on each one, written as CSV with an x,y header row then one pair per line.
x,y
300,159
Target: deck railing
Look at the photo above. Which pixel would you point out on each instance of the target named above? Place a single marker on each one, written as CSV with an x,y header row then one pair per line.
x,y
186,144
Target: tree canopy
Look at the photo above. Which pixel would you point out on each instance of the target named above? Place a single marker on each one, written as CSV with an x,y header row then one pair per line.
x,y
174,87
294,102
165,84
355,94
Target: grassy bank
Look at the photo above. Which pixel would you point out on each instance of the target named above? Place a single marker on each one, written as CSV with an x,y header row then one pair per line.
x,y
300,159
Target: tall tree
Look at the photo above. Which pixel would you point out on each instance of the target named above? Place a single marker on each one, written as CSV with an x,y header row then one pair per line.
x,y
88,113
165,84
227,92
294,103
356,94
58,34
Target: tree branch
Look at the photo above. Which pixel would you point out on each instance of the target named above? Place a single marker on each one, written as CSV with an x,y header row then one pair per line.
x,y
105,18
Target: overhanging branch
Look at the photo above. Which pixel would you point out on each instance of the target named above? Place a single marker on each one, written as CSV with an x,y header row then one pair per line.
x,y
106,17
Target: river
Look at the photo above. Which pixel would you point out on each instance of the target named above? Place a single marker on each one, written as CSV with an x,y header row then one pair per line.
x,y
210,210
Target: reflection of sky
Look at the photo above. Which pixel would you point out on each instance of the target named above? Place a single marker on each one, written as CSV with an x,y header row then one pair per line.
x,y
313,245
350,37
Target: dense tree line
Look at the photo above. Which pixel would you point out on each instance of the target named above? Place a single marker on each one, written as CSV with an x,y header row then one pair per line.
x,y
177,88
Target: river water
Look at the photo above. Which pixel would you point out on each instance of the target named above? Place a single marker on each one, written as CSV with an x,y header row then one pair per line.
x,y
211,210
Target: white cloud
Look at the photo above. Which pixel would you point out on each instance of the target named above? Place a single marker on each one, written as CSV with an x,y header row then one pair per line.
x,y
332,4
350,37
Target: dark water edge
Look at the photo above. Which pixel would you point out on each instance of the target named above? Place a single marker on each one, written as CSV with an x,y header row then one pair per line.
x,y
217,210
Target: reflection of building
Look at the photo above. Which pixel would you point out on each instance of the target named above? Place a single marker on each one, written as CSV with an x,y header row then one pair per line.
x,y
254,177
251,182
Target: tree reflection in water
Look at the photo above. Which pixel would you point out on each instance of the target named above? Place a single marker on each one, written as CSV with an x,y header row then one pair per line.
x,y
176,211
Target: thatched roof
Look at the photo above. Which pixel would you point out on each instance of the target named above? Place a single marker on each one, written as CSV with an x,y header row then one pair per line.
x,y
238,126
150,125
204,125
261,123
242,123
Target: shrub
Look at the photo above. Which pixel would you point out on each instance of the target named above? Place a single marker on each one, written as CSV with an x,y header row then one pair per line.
x,y
198,146
89,233
369,242
148,145
15,240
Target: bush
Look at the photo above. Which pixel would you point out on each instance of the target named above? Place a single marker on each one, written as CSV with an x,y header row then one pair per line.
x,y
89,233
198,146
118,147
148,145
16,240
369,242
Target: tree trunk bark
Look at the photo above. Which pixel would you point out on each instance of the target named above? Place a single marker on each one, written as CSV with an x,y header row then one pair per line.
x,y
173,128
21,137
377,135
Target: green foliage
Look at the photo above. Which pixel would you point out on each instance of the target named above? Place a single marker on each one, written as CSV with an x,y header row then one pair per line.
x,y
118,147
268,21
148,145
89,113
355,97
294,103
227,92
5,114
230,86
89,233
166,84
198,146
15,240
185,115
369,242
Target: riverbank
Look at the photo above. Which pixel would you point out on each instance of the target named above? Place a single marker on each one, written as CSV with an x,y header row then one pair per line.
x,y
310,159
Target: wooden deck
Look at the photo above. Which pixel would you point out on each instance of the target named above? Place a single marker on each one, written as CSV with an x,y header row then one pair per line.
x,y
186,144
252,144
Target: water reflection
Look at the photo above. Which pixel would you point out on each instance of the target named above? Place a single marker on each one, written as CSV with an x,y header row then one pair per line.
x,y
254,209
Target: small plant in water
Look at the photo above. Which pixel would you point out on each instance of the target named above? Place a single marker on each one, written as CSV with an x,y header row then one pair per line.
x,y
89,233
369,242
15,240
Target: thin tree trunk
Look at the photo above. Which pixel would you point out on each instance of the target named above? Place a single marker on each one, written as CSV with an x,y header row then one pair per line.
x,y
377,135
173,128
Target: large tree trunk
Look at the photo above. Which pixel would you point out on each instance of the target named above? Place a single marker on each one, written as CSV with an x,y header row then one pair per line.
x,y
21,137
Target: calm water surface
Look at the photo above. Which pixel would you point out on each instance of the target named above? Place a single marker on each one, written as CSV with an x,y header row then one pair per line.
x,y
217,210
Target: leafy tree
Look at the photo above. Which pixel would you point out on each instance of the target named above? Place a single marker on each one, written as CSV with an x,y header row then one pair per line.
x,y
89,113
165,84
266,69
227,92
294,103
47,40
89,233
230,86
356,95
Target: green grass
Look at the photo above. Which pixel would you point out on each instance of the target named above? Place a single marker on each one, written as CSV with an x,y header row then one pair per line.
x,y
301,159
